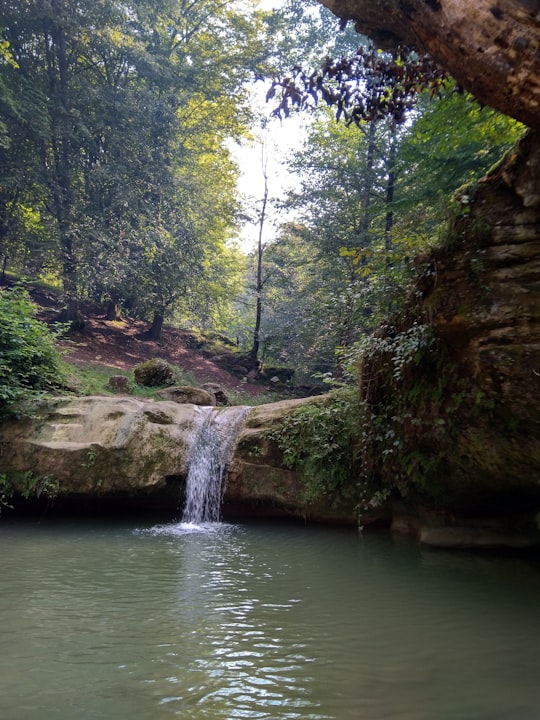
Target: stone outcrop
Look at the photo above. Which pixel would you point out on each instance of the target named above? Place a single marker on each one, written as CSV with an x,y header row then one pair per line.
x,y
483,300
469,429
128,453
258,482
100,447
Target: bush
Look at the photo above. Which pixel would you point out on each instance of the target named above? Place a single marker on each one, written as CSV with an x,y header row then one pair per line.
x,y
29,361
321,441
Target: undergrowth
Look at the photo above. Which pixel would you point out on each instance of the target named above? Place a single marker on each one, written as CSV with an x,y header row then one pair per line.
x,y
94,380
29,361
27,485
321,441
416,400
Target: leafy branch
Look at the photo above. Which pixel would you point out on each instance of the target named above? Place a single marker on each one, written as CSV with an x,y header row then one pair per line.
x,y
367,87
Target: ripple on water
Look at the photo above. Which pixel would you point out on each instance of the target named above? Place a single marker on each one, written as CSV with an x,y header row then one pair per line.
x,y
219,622
181,528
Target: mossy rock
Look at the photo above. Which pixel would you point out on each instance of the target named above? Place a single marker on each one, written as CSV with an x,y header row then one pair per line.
x,y
154,373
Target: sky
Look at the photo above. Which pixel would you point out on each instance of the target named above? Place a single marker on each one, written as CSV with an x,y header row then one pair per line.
x,y
275,143
279,138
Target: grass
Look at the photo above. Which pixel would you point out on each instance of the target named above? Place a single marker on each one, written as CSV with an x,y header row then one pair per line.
x,y
94,380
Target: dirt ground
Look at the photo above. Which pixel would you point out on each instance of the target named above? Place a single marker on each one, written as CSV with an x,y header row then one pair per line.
x,y
120,345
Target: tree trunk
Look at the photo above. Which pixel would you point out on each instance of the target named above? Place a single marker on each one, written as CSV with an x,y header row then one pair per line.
x,y
113,311
254,352
491,47
4,268
61,146
155,330
390,187
368,190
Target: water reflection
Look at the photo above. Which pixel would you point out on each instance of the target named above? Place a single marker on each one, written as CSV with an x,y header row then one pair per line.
x,y
260,621
237,660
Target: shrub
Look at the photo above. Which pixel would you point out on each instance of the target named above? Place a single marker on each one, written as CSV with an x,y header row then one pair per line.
x,y
29,361
320,440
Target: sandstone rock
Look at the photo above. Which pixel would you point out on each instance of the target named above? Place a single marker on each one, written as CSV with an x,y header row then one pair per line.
x,y
128,452
477,426
221,395
258,483
119,383
100,445
186,394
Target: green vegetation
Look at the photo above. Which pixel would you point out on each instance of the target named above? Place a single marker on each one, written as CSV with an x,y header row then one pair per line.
x,y
29,361
27,485
321,441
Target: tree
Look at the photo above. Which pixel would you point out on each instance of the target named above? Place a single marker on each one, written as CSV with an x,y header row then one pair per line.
x,y
448,143
114,119
491,48
260,281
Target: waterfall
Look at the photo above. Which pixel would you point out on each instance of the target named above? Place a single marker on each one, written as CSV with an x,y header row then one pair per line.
x,y
210,452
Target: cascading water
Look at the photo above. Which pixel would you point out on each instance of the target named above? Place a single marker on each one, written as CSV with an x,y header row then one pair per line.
x,y
210,453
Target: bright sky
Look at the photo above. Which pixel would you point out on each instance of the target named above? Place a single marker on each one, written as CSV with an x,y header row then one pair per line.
x,y
279,139
276,142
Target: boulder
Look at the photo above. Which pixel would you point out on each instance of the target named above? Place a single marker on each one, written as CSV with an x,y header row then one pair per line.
x,y
221,395
119,383
154,373
186,394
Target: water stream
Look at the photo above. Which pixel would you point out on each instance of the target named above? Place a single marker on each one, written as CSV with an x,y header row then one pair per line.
x,y
211,450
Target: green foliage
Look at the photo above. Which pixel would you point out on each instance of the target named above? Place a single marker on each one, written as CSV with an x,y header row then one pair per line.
x,y
6,493
415,400
29,361
320,440
27,485
451,141
115,169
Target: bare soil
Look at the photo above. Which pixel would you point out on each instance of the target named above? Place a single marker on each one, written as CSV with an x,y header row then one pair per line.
x,y
121,345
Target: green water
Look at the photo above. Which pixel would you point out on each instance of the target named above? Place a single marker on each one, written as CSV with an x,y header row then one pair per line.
x,y
261,621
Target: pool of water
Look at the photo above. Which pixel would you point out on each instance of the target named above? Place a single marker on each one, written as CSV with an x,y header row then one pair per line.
x,y
109,621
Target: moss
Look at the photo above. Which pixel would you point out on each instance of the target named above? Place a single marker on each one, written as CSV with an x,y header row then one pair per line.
x,y
154,373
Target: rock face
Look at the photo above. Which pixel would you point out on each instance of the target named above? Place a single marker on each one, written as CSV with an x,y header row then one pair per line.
x,y
98,447
258,482
126,453
469,410
484,301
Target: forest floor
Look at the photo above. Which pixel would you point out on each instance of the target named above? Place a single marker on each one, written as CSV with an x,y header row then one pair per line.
x,y
120,345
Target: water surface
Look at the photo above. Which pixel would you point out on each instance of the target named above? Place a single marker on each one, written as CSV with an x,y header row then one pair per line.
x,y
260,621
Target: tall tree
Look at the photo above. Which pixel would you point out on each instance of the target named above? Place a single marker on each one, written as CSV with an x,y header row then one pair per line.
x,y
259,279
117,105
